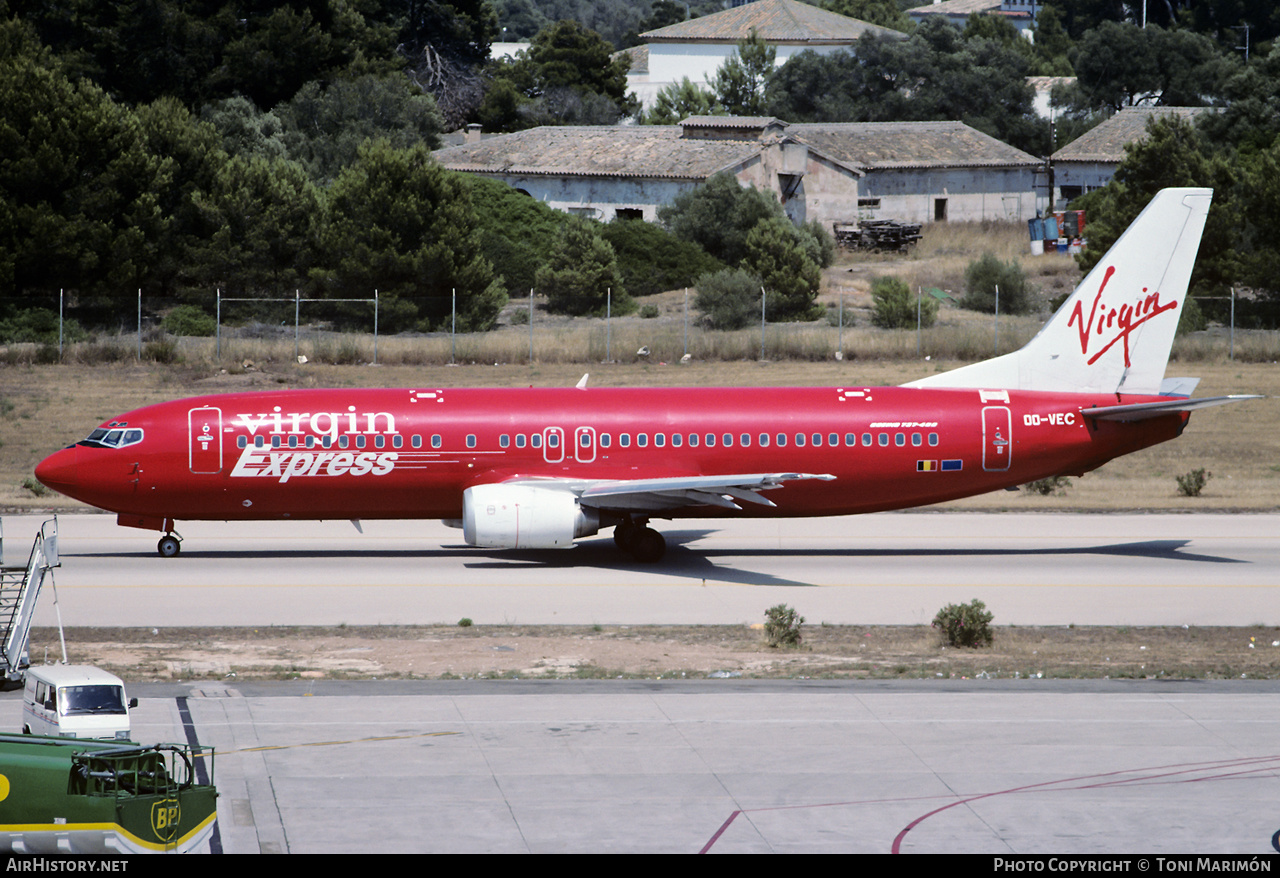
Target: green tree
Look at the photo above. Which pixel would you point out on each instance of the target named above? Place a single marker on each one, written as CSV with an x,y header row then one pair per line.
x,y
987,281
517,232
79,190
718,216
893,306
729,298
739,84
259,220
401,224
791,279
325,125
651,259
679,101
567,76
886,13
581,274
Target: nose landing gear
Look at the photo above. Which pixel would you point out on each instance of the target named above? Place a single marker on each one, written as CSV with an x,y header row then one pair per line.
x,y
169,546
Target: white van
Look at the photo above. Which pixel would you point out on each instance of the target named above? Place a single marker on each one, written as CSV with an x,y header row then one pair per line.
x,y
75,701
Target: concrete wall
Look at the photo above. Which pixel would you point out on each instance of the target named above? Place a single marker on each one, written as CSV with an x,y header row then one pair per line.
x,y
598,197
970,194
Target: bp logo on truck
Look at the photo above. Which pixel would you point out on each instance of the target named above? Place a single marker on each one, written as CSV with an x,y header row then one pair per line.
x,y
165,815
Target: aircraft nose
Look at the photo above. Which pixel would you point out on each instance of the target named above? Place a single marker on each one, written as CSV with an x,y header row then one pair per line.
x,y
60,470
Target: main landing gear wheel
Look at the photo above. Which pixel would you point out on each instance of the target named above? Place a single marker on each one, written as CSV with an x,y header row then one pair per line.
x,y
169,546
644,544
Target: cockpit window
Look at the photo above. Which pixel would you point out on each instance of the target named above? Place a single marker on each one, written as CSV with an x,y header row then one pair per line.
x,y
117,437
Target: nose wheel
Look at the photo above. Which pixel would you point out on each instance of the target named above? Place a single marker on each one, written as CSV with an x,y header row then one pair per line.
x,y
169,546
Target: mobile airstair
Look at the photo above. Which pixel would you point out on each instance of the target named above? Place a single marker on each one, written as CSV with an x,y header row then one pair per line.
x,y
19,589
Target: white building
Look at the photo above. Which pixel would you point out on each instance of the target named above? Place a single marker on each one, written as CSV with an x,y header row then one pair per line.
x,y
700,47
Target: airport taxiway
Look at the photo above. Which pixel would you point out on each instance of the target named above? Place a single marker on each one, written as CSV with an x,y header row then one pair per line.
x,y
722,766
897,568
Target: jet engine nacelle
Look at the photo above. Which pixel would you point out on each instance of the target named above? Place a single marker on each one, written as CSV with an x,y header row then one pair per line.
x,y
524,517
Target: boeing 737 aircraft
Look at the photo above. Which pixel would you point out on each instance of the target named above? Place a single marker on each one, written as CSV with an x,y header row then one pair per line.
x,y
539,468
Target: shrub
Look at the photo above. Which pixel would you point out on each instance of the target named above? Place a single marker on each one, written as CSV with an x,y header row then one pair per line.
x,y
776,252
580,272
39,325
728,299
1192,483
965,624
782,626
652,260
464,622
1054,486
895,308
983,276
649,311
189,320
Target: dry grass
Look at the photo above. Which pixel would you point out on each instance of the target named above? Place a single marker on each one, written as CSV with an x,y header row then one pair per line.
x,y
674,651
43,408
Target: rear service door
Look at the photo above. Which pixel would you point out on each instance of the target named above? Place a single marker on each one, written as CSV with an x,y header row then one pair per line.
x,y
997,447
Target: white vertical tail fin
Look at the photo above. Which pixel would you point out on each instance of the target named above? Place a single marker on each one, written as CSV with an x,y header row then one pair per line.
x,y
1114,333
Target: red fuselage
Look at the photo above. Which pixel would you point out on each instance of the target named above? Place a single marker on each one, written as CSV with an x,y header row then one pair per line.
x,y
329,454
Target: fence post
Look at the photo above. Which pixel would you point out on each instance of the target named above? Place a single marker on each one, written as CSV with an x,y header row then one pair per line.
x,y
139,325
375,327
763,296
218,323
608,321
530,326
61,294
296,303
453,329
686,321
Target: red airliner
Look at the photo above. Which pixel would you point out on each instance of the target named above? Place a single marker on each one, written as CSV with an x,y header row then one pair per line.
x,y
539,468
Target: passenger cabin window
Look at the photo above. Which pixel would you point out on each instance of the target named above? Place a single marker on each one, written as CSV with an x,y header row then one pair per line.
x,y
642,440
535,441
416,442
933,438
471,440
520,440
504,441
435,440
799,440
677,440
782,440
605,440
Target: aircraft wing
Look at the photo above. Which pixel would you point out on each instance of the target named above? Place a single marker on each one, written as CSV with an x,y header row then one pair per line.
x,y
655,495
1141,411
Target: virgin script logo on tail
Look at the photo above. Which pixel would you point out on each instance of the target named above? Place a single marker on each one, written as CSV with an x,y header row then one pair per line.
x,y
1110,323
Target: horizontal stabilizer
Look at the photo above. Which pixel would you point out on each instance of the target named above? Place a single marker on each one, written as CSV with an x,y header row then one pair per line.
x,y
1142,411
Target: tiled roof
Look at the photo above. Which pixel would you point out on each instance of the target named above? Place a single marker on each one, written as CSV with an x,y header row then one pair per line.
x,y
659,151
884,145
637,58
652,151
956,7
776,21
1106,142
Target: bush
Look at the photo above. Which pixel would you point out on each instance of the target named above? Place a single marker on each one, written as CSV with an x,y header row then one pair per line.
x,y
649,311
895,308
189,320
782,626
39,325
579,274
983,276
728,299
965,624
1191,484
1054,486
776,253
652,260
